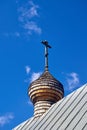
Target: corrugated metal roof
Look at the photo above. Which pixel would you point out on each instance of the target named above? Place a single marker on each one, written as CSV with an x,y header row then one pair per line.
x,y
70,113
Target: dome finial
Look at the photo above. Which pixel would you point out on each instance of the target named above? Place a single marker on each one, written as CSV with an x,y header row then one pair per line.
x,y
46,53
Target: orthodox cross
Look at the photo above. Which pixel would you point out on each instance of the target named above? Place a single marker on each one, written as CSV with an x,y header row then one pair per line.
x,y
46,53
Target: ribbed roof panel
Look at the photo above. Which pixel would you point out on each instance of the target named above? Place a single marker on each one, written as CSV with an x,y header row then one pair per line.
x,y
69,113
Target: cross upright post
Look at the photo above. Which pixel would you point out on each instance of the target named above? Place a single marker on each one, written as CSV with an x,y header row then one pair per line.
x,y
46,53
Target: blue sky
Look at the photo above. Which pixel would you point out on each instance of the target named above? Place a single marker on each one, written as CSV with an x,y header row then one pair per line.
x,y
23,25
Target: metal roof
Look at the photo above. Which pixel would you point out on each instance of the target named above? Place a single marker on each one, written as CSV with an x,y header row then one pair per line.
x,y
70,113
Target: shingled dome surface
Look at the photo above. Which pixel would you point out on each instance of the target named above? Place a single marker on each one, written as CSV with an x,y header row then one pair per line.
x,y
47,79
46,82
44,92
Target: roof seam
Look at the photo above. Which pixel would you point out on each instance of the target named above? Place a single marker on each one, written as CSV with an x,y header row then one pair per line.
x,y
72,110
30,121
76,115
56,108
47,114
84,126
66,108
79,120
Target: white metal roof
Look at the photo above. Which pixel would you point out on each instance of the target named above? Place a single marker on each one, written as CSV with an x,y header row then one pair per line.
x,y
70,113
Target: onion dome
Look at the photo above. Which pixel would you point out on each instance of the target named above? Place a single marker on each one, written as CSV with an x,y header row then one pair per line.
x,y
46,90
46,85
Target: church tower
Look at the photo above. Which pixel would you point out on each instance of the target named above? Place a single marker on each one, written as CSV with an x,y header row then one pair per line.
x,y
46,90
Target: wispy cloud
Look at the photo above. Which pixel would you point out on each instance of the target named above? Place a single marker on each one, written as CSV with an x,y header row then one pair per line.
x,y
29,103
31,76
5,119
72,80
27,69
11,34
32,26
28,13
35,76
